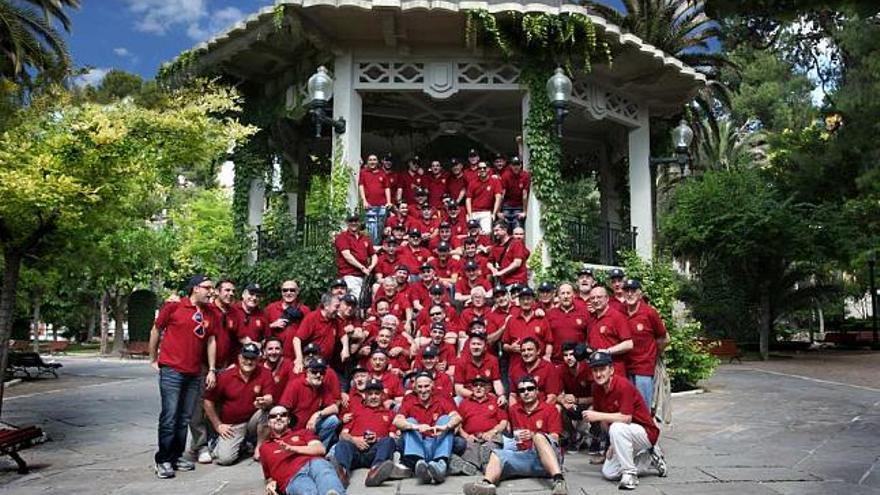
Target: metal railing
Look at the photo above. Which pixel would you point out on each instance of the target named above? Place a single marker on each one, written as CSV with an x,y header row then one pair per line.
x,y
599,243
302,232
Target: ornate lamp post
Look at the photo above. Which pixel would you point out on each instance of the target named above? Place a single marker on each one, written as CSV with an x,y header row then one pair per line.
x,y
682,137
559,93
320,87
872,264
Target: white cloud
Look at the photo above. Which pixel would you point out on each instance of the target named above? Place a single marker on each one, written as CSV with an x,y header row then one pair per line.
x,y
194,16
91,78
122,52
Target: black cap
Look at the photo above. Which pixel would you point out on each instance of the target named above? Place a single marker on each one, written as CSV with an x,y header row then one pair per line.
x,y
471,265
386,157
430,351
599,358
477,321
421,191
632,283
526,292
499,289
426,267
349,299
439,326
311,348
546,287
401,268
498,156
317,364
338,283
399,226
515,288
414,233
454,161
392,240
473,224
359,369
452,204
444,247
473,152
585,270
436,290
616,273
514,160
469,240
378,350
250,350
423,373
353,217
254,288
196,280
478,335
445,225
480,379
374,384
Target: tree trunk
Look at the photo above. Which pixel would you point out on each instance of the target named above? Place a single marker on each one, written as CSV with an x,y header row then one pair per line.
x,y
105,323
35,323
11,272
119,309
765,322
91,322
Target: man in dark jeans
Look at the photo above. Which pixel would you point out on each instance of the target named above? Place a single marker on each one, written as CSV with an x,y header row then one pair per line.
x,y
184,326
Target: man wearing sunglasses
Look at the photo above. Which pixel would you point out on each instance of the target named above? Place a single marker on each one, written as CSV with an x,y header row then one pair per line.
x,y
184,326
314,403
534,449
355,256
483,197
285,315
293,459
251,322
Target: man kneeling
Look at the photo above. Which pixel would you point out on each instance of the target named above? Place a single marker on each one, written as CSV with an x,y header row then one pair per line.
x,y
293,459
621,410
364,441
536,427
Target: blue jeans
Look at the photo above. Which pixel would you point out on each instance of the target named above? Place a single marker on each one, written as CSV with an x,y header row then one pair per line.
x,y
375,223
179,393
645,385
317,477
348,455
416,446
510,216
327,430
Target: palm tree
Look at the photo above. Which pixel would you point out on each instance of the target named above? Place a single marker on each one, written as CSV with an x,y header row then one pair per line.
x,y
28,38
723,146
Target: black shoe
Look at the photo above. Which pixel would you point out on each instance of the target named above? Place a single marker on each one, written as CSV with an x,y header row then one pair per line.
x,y
184,465
379,473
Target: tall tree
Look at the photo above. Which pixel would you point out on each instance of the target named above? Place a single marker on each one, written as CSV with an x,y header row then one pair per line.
x,y
28,38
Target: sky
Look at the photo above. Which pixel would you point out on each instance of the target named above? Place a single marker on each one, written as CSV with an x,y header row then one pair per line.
x,y
139,35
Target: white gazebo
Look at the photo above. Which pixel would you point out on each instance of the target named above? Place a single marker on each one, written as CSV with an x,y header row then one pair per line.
x,y
407,63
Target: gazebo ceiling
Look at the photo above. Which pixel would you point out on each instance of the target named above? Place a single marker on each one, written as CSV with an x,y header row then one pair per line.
x,y
256,50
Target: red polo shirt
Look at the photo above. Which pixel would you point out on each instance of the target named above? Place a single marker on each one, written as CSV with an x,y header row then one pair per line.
x,y
515,186
447,269
609,329
518,328
458,224
393,386
617,305
235,396
466,369
544,372
275,310
321,330
543,419
481,260
577,383
225,339
464,286
184,339
281,374
426,414
360,247
478,417
454,185
415,256
252,325
397,304
447,355
482,193
375,419
437,187
646,327
623,397
566,326
408,183
303,400
281,465
505,254
374,182
331,381
425,226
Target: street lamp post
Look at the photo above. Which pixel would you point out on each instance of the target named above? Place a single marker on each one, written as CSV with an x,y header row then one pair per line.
x,y
559,93
682,137
872,264
320,88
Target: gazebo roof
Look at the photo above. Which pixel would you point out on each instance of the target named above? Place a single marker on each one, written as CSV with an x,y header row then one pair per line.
x,y
661,80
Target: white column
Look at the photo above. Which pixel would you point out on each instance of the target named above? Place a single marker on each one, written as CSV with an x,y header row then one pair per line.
x,y
256,204
347,104
534,230
640,200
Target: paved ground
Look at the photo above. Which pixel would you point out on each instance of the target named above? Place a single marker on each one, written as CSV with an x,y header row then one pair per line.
x,y
782,427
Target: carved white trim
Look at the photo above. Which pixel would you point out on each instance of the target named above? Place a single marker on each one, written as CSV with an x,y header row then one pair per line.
x,y
438,78
603,103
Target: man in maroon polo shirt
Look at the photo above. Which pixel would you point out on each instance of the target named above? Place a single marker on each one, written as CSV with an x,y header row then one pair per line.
x,y
525,323
428,359
250,319
365,441
543,371
277,364
293,459
436,183
620,409
312,401
243,392
534,449
180,359
456,220
456,182
649,340
471,279
392,386
319,327
585,283
617,301
355,258
516,183
476,361
567,322
482,422
446,267
478,308
609,331
483,197
507,261
286,315
411,179
576,380
375,195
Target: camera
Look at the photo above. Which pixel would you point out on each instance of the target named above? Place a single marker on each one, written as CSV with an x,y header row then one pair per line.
x,y
292,314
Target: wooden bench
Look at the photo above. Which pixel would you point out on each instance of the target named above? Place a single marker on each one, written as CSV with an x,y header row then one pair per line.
x,y
132,349
24,362
13,440
19,345
723,349
58,347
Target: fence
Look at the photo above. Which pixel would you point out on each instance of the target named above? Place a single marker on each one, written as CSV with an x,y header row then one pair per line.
x,y
599,243
302,232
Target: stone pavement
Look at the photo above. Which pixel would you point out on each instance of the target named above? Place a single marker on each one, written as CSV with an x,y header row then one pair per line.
x,y
755,431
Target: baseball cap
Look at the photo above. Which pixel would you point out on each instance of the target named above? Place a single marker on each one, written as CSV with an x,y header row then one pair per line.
x,y
473,224
585,270
471,265
250,350
374,384
632,283
499,289
615,273
430,351
349,299
443,247
480,379
353,217
254,288
317,364
426,267
415,233
473,152
546,287
436,289
526,292
311,348
338,283
599,358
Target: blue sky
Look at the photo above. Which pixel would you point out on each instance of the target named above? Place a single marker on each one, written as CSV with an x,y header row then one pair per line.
x,y
138,35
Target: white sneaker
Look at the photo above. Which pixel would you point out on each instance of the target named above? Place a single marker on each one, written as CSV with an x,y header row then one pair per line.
x,y
628,482
659,462
205,456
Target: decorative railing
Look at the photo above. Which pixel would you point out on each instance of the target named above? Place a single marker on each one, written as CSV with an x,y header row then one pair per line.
x,y
302,232
599,243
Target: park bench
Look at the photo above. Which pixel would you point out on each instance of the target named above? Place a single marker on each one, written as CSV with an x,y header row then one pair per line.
x,y
58,347
25,362
19,345
13,440
132,349
723,349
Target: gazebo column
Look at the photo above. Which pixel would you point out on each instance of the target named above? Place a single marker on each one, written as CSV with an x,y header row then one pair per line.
x,y
640,198
256,204
347,103
534,230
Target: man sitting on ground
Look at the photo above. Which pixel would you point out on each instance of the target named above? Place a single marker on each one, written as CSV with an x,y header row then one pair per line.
x,y
482,421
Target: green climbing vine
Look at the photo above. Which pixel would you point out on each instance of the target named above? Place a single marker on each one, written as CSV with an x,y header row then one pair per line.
x,y
340,175
538,43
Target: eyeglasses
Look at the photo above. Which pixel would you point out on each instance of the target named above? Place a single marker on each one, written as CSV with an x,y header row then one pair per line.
x,y
316,372
199,330
531,388
289,290
436,313
277,415
206,287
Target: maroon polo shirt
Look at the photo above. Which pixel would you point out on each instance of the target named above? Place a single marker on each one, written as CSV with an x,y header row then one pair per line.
x,y
387,265
303,400
281,374
515,185
519,327
423,225
360,247
280,464
408,183
610,328
393,179
437,187
478,417
543,419
464,286
275,310
447,269
466,369
623,397
454,243
447,355
617,305
375,183
393,386
646,327
455,185
184,339
415,256
481,260
426,414
505,254
375,419
225,339
482,193
320,330
566,326
458,224
576,381
252,325
544,372
235,396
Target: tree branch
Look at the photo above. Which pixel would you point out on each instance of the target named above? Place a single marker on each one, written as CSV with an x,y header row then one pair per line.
x,y
45,228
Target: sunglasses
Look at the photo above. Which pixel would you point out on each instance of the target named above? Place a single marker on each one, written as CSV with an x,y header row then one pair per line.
x,y
278,415
527,389
436,314
289,290
199,330
316,372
